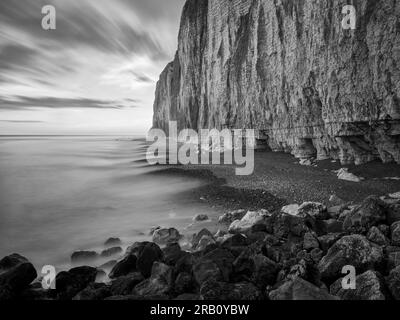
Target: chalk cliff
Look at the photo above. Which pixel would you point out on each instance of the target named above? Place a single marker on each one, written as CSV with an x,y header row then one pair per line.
x,y
288,69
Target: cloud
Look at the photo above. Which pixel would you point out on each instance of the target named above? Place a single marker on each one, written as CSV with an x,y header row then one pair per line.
x,y
19,102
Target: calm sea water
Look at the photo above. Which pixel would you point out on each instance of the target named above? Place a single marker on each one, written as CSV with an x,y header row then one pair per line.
x,y
60,194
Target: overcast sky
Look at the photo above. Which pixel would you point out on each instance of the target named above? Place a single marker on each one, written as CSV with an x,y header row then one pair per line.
x,y
95,74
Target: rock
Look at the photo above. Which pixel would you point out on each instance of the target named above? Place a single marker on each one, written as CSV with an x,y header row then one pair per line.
x,y
395,195
334,212
313,209
16,274
333,226
299,289
125,284
369,286
291,209
236,240
306,162
124,267
111,252
172,253
376,236
200,217
370,213
160,282
216,290
335,200
183,283
84,256
204,242
328,240
113,242
395,233
393,214
154,229
69,283
344,174
393,282
392,257
316,255
164,236
310,241
216,264
229,217
94,292
197,237
219,234
354,250
245,224
147,256
108,265
265,271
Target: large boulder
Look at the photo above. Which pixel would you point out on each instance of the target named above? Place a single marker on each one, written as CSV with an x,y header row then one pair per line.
x,y
198,236
172,253
376,236
184,283
395,233
354,250
313,209
166,235
124,266
147,256
16,274
248,221
299,289
369,286
160,282
284,225
371,212
393,282
69,283
124,285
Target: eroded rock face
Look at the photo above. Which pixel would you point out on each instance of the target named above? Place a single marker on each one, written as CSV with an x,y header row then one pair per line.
x,y
288,69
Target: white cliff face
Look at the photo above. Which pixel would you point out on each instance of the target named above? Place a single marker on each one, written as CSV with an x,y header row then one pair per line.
x,y
289,69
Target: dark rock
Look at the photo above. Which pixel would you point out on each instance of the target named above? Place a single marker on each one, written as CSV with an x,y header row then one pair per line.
x,y
393,282
160,282
124,285
284,225
111,252
183,283
393,214
259,227
353,250
316,255
197,237
369,286
71,282
328,240
84,256
113,242
299,289
215,290
94,292
16,274
256,237
236,240
172,253
164,236
265,271
200,218
371,212
376,236
392,257
185,263
147,256
310,241
333,226
395,233
124,267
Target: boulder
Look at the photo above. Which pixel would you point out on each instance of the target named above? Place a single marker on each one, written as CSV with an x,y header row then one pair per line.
x,y
299,289
69,283
204,242
111,252
395,195
164,235
197,237
147,256
369,286
125,284
200,218
392,257
393,214
284,225
395,233
16,274
376,236
160,282
328,240
354,250
333,226
265,271
94,292
84,257
183,283
291,209
248,221
371,212
393,283
313,209
172,253
344,174
229,217
153,229
113,242
235,240
310,241
124,267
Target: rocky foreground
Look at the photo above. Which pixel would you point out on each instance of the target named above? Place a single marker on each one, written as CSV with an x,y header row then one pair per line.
x,y
297,253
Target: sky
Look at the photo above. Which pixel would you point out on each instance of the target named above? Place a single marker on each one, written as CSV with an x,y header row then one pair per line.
x,y
94,74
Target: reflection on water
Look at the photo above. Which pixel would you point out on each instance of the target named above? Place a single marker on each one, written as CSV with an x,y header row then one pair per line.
x,y
60,194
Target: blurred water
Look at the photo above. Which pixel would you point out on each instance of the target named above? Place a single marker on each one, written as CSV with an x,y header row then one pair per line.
x,y
60,194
